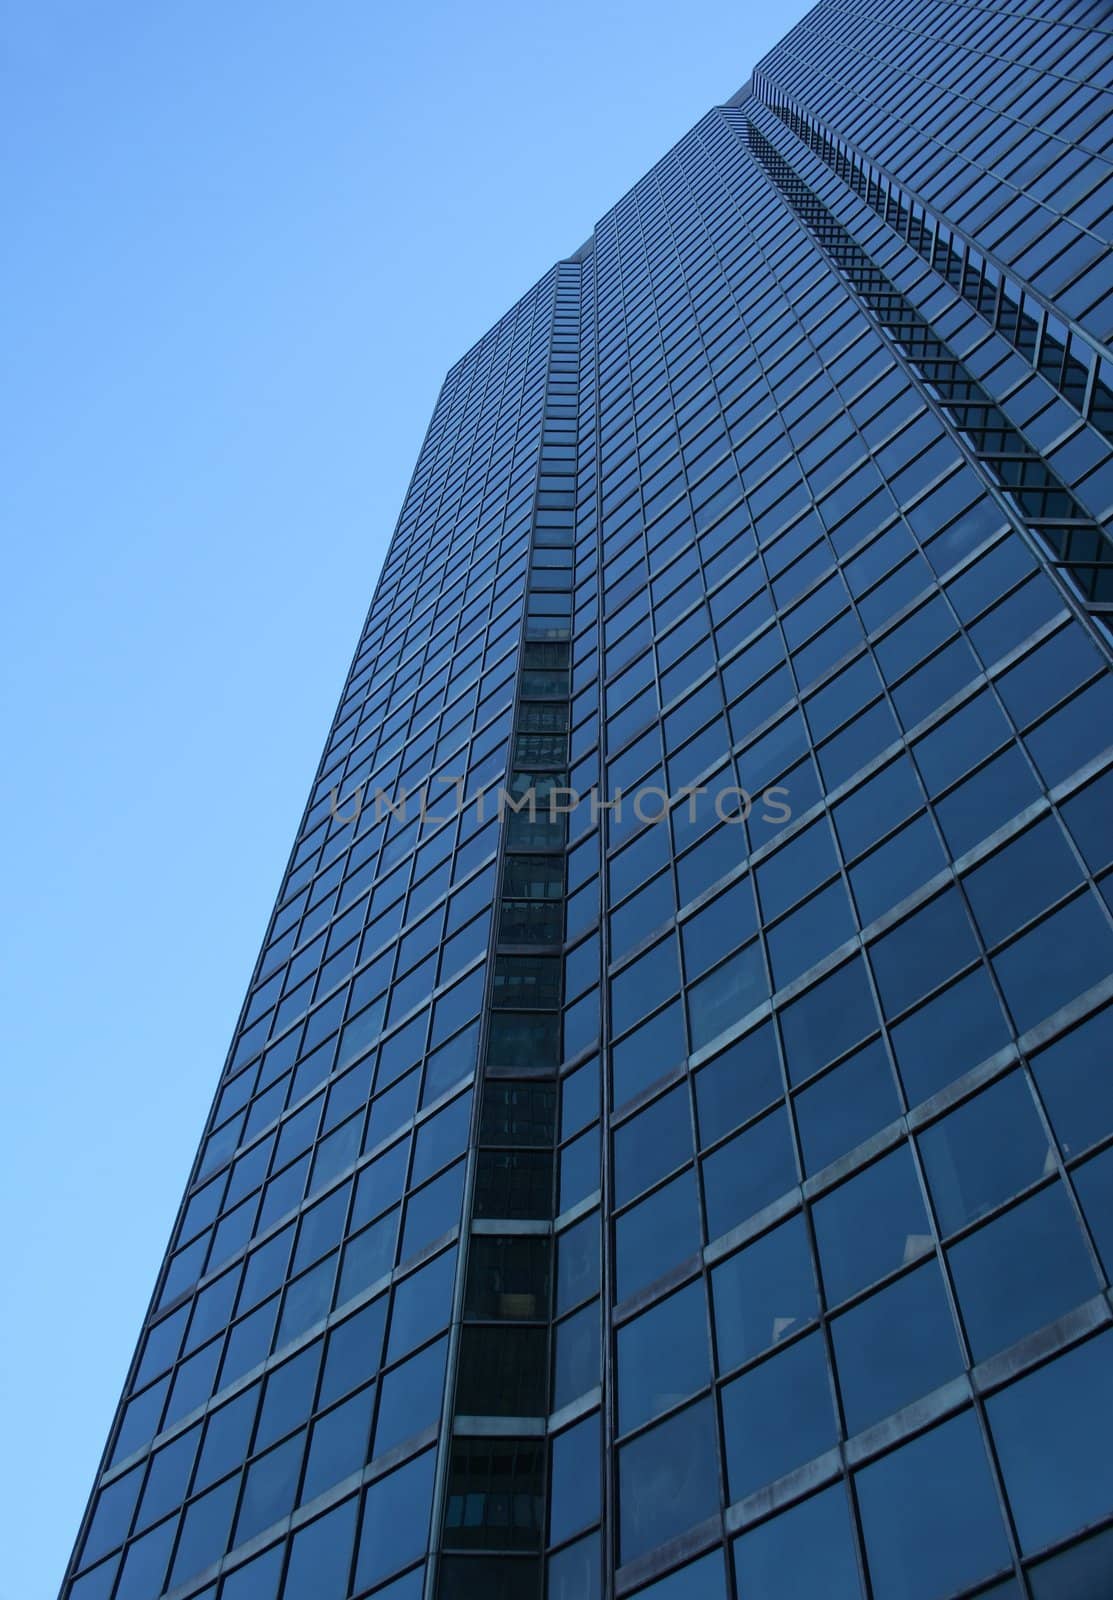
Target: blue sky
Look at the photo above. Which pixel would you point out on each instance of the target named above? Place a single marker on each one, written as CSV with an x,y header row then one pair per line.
x,y
244,244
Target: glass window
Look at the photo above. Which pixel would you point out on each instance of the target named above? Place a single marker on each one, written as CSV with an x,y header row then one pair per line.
x,y
1021,1271
727,922
579,1098
807,1550
656,1234
394,1528
1058,1413
574,1482
339,1443
579,1169
894,1347
950,1034
764,1293
227,1436
846,1106
165,1488
663,1356
353,1352
827,1020
920,952
877,806
961,741
144,1564
495,1496
983,1152
1083,1569
577,1250
288,1397
930,1515
778,1415
270,1487
257,1580
205,1529
574,1571
795,869
1055,961
441,1138
704,1579
727,994
1031,872
650,979
1086,814
508,1278
991,796
410,1397
96,1584
115,1505
667,1480
738,1083
652,1143
809,933
891,872
1076,1084
871,1225
422,1304
750,1170
503,1372
648,1052
431,1211
645,910
863,738
1043,677
576,1356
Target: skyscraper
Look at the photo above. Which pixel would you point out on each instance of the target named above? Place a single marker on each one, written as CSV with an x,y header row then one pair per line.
x,y
667,1148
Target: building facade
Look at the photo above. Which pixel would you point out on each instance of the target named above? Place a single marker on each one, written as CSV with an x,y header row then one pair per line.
x,y
667,1148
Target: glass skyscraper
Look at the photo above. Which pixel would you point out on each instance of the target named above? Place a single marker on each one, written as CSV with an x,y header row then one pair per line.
x,y
667,1147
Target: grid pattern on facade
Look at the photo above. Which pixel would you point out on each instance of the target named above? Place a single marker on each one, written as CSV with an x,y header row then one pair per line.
x,y
997,117
705,1192
1077,541
1073,366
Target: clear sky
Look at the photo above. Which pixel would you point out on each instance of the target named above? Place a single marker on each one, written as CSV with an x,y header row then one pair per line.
x,y
244,243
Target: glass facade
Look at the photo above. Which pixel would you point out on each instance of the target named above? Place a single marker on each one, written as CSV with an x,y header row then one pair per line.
x,y
667,1148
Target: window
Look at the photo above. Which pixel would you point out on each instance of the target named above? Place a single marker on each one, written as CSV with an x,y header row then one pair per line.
x,y
983,1152
764,1294
644,984
807,1550
1029,874
1055,961
656,1234
667,1480
1058,1413
846,1105
930,1515
870,1225
574,1482
495,1499
777,1416
923,950
1076,1085
733,1086
663,1356
948,1035
1021,1271
395,1521
894,1347
749,1171
652,1144
827,1020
